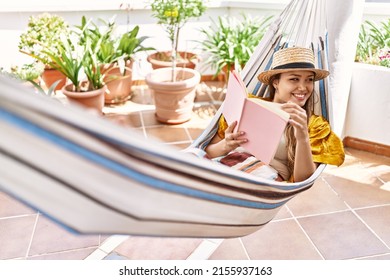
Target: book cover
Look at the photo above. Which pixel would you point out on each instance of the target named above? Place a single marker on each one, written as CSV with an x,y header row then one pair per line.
x,y
263,122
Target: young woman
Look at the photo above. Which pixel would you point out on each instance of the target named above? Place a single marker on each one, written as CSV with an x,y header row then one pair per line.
x,y
308,139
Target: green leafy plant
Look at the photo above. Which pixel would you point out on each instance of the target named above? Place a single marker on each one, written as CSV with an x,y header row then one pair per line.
x,y
43,32
110,47
77,62
174,14
374,43
30,73
229,42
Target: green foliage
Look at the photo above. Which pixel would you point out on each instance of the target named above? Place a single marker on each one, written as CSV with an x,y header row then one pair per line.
x,y
109,47
99,37
374,43
81,54
47,29
30,73
69,61
77,60
174,14
129,43
230,42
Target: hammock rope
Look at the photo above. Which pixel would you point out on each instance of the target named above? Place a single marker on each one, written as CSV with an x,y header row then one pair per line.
x,y
94,177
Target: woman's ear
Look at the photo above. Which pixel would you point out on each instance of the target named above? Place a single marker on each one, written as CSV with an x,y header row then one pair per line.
x,y
275,83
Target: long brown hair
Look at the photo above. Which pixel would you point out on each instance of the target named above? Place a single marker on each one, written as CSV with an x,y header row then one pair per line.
x,y
289,131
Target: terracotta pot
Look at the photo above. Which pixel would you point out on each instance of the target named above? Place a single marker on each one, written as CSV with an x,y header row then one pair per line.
x,y
174,100
50,76
226,71
163,59
93,99
118,85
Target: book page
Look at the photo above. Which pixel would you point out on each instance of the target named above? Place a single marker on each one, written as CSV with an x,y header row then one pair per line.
x,y
273,106
234,101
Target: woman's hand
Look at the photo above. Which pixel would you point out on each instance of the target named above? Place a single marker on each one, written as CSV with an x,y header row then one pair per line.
x,y
220,147
298,119
232,139
303,163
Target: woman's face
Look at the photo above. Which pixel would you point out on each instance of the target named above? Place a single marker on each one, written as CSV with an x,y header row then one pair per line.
x,y
294,86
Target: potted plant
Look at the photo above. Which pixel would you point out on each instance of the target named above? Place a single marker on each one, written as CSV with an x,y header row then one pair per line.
x,y
174,87
374,43
29,73
47,29
370,84
172,15
79,63
115,53
229,42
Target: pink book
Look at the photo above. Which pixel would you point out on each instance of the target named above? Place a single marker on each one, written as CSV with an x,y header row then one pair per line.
x,y
263,122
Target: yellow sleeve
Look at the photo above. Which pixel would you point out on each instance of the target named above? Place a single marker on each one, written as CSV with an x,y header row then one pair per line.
x,y
222,126
326,146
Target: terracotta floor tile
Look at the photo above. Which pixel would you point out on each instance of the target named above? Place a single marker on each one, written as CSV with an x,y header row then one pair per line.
x,y
280,240
284,213
341,236
355,172
368,158
357,194
50,237
212,90
80,254
115,256
377,257
374,218
381,171
142,95
230,249
168,133
149,118
320,198
15,236
144,248
126,120
11,207
180,146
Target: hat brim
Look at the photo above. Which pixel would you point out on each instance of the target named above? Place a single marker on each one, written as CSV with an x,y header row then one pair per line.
x,y
265,76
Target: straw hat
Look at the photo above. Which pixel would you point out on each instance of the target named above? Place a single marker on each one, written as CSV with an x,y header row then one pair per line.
x,y
291,59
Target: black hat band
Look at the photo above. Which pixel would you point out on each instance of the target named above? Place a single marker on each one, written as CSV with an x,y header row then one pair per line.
x,y
295,65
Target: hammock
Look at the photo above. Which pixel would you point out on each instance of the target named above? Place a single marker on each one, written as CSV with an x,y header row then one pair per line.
x,y
94,177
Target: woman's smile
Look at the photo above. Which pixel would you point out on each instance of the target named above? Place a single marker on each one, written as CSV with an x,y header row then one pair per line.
x,y
300,96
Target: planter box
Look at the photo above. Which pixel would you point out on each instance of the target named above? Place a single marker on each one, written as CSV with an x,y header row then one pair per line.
x,y
368,113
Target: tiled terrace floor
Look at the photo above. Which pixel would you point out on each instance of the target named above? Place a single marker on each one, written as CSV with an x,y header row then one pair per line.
x,y
345,215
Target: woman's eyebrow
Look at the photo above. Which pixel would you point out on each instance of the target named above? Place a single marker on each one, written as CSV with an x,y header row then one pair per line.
x,y
299,75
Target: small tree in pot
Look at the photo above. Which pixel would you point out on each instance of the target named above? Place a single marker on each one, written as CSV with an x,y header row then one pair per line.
x,y
174,87
172,15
